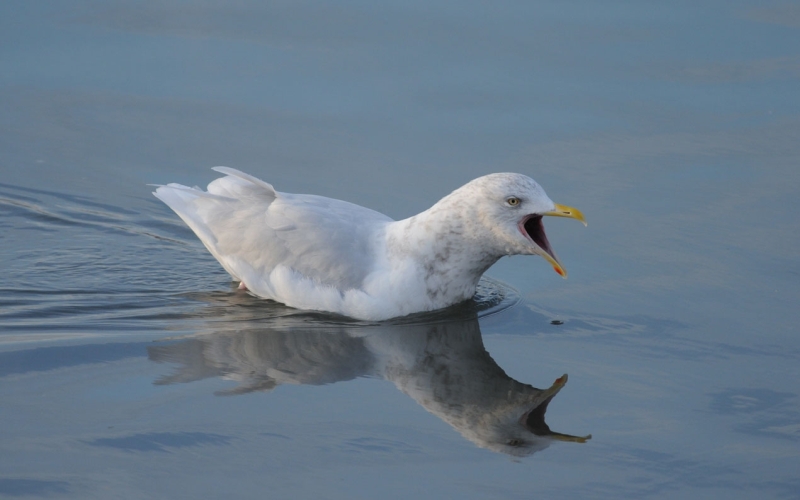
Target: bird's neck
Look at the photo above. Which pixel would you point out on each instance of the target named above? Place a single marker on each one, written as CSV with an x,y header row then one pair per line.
x,y
438,247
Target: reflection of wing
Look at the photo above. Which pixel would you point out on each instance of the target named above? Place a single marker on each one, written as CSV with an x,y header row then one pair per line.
x,y
251,229
261,360
190,354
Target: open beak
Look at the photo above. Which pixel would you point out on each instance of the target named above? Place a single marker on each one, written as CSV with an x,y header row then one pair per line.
x,y
533,228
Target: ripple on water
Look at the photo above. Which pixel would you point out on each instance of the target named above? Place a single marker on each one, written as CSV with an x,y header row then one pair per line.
x,y
109,285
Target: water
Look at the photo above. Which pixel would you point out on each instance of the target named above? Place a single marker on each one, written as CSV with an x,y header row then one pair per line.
x,y
130,367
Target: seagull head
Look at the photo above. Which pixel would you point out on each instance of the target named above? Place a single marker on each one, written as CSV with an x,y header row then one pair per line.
x,y
514,423
511,207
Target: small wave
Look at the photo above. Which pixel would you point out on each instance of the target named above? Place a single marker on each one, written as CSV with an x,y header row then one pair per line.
x,y
50,210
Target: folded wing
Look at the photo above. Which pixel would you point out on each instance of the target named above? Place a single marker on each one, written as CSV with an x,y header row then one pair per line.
x,y
251,229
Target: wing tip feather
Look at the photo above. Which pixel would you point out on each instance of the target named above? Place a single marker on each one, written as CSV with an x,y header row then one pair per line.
x,y
247,177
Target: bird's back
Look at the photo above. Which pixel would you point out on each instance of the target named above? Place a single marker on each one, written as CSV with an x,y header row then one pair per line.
x,y
254,230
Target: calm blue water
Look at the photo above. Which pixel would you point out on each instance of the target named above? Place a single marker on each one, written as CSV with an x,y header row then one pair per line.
x,y
130,367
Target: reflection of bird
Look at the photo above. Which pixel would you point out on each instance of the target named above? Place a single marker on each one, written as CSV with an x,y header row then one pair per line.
x,y
443,366
311,252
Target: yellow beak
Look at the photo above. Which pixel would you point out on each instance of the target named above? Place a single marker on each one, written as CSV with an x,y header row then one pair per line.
x,y
563,211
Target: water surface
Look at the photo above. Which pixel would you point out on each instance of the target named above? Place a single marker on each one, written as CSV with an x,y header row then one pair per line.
x,y
130,366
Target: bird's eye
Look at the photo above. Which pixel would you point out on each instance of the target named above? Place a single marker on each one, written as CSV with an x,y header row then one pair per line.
x,y
516,443
513,201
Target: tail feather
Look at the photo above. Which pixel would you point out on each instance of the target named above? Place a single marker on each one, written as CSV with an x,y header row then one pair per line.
x,y
195,192
182,200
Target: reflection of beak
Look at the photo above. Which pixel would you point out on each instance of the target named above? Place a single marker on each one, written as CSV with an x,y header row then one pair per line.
x,y
565,211
534,420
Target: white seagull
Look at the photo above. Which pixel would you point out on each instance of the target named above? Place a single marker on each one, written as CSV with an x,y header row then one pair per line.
x,y
312,252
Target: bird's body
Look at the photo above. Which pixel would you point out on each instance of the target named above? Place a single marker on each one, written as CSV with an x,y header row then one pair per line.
x,y
312,252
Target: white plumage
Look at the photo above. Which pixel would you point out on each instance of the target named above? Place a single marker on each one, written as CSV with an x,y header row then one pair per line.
x,y
312,252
